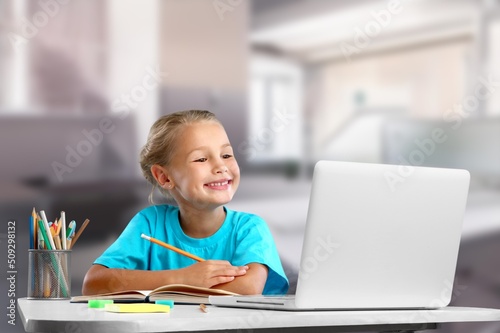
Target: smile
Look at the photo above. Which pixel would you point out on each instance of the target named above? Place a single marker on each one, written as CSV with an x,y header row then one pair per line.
x,y
219,184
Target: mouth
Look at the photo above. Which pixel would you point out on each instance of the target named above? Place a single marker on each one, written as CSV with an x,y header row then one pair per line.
x,y
219,185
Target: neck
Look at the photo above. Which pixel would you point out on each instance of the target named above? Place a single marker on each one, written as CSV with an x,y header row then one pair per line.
x,y
201,223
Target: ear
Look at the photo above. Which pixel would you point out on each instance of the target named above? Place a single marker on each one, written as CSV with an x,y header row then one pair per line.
x,y
161,176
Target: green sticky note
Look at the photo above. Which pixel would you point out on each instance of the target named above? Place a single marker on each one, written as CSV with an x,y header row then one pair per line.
x,y
168,302
99,303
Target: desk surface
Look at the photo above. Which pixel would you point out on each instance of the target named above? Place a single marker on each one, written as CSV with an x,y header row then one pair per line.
x,y
61,316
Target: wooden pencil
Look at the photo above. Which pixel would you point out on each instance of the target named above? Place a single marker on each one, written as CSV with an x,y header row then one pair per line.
x,y
77,235
173,248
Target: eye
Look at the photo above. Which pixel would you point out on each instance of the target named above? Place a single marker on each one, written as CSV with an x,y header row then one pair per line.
x,y
227,156
203,159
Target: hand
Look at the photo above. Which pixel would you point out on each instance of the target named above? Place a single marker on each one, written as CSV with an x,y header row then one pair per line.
x,y
210,273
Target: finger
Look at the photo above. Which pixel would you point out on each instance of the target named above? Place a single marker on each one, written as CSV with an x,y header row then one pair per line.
x,y
233,271
241,271
221,279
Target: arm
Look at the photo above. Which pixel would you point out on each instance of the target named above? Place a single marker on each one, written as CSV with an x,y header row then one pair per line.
x,y
252,283
100,279
255,247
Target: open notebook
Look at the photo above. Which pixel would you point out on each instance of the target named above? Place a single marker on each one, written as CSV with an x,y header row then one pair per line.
x,y
179,293
377,237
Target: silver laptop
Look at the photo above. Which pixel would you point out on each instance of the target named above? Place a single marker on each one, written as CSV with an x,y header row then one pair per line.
x,y
377,237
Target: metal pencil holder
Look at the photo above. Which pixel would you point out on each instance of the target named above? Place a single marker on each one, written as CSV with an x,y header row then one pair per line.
x,y
49,274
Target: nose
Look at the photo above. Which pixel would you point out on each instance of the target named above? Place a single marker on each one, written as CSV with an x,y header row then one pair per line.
x,y
221,167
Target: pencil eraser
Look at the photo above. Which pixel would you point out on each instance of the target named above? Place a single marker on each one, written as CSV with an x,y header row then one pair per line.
x,y
168,302
99,303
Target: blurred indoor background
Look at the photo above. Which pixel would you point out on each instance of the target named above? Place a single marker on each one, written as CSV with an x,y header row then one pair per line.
x,y
293,81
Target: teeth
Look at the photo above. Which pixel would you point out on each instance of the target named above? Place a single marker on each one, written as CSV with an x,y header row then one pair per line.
x,y
218,184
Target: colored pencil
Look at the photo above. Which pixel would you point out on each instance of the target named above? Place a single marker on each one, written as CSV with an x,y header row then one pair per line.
x,y
63,230
47,229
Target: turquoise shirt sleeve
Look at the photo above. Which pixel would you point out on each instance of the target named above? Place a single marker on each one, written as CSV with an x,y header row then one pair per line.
x,y
255,244
129,251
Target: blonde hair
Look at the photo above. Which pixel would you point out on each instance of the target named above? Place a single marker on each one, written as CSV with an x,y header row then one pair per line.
x,y
161,142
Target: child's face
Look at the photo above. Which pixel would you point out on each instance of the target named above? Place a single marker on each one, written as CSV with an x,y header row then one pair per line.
x,y
203,168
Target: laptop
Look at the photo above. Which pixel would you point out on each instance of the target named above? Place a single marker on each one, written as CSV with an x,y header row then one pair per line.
x,y
377,236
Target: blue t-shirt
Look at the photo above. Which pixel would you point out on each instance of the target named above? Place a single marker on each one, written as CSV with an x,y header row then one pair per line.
x,y
242,239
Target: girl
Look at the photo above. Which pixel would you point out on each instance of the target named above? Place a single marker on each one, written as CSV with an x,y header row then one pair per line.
x,y
189,157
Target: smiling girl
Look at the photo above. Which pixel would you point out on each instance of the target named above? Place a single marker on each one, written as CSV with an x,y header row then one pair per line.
x,y
188,156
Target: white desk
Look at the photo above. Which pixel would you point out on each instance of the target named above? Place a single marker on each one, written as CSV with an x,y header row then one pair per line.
x,y
62,316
